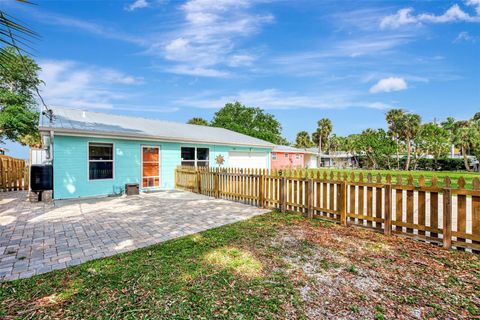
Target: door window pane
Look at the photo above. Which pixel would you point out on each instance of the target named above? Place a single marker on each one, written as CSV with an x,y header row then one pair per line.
x,y
150,154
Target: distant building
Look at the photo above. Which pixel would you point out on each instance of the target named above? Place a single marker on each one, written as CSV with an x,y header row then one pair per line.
x,y
340,159
287,157
3,151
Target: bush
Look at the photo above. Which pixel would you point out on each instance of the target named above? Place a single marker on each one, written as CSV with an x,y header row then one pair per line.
x,y
442,164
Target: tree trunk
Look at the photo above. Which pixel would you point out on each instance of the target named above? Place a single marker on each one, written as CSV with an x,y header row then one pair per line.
x,y
415,159
409,151
465,159
398,154
319,152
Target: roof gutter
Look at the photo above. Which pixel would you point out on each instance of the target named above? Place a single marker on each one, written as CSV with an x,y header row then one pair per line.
x,y
83,133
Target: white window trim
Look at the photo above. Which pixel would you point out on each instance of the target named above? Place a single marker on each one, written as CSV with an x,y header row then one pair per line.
x,y
88,160
194,161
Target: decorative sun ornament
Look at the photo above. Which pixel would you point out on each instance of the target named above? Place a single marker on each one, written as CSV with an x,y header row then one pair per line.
x,y
220,159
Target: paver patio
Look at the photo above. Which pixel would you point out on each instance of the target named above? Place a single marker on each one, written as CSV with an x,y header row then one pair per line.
x,y
37,237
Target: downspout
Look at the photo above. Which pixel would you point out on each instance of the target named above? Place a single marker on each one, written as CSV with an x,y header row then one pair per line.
x,y
51,161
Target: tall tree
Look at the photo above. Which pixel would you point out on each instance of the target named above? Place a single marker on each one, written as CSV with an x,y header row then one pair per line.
x,y
198,121
433,140
377,146
303,140
18,112
466,136
320,136
250,121
410,126
394,119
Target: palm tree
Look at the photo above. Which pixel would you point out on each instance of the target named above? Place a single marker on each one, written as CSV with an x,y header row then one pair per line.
x,y
13,34
394,120
198,121
466,136
321,136
410,127
303,140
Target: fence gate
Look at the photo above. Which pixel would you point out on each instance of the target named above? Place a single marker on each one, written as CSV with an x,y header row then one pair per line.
x,y
14,174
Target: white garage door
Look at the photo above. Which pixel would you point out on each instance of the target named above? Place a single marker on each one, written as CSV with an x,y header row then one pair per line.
x,y
237,159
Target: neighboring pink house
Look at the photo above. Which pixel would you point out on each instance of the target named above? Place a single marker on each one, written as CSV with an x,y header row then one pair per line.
x,y
287,157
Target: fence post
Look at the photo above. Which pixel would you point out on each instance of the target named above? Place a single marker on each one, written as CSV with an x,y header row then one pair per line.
x,y
310,198
343,202
283,195
388,209
261,194
199,182
175,182
216,185
447,218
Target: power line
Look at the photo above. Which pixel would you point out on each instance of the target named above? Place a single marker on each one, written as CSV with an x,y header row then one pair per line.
x,y
48,112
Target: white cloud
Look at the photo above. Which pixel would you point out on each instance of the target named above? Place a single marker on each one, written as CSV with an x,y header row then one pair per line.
x,y
453,14
197,71
137,4
389,84
56,19
208,38
239,60
464,36
402,17
71,84
276,99
475,4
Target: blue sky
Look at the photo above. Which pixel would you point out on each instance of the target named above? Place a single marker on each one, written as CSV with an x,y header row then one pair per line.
x,y
300,60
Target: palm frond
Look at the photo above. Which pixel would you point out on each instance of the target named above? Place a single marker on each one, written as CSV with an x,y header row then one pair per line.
x,y
15,33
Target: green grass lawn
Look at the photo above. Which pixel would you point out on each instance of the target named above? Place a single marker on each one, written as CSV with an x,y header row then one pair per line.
x,y
274,266
440,175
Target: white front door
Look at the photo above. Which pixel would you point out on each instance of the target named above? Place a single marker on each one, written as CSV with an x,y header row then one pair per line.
x,y
240,159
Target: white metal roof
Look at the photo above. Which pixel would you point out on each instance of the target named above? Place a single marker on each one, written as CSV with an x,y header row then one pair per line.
x,y
289,149
88,123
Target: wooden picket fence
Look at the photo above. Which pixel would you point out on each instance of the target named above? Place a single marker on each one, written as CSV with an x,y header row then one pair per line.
x,y
14,174
446,215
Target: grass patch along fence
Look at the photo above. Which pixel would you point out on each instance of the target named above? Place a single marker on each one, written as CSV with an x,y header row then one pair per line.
x,y
13,174
419,209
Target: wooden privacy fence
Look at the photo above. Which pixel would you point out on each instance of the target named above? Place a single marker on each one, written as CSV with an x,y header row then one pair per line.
x,y
447,215
13,174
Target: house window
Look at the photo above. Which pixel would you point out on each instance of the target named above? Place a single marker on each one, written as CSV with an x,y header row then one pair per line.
x,y
286,155
100,161
274,156
195,157
297,156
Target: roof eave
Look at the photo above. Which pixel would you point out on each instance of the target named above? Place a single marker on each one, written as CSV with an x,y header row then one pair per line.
x,y
146,137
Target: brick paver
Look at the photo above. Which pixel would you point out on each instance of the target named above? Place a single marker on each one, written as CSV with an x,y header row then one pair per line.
x,y
37,237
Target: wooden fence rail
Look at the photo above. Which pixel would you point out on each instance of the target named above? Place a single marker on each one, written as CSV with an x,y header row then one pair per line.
x,y
446,215
14,174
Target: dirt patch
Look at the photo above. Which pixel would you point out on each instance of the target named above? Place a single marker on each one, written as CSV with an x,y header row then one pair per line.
x,y
351,273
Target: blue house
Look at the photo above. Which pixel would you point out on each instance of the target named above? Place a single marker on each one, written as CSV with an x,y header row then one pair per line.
x,y
96,154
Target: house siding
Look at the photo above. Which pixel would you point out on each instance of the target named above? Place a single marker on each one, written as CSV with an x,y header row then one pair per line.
x,y
70,164
289,161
